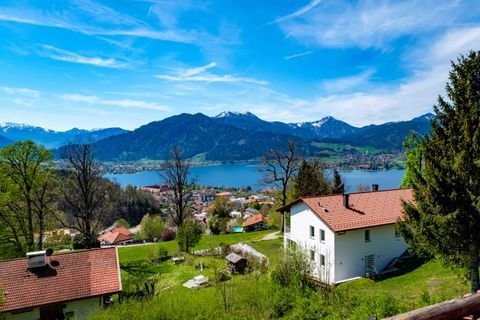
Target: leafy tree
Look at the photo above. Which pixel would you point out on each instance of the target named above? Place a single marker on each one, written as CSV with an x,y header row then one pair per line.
x,y
175,173
30,188
188,235
444,174
151,227
218,214
310,180
338,186
413,153
280,166
122,223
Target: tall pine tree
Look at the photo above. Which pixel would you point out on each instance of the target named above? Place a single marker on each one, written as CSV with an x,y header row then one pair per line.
x,y
445,175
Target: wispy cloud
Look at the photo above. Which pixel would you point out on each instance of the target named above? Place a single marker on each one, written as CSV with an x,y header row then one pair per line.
x,y
303,10
67,56
128,27
349,83
298,55
199,74
370,23
26,92
122,103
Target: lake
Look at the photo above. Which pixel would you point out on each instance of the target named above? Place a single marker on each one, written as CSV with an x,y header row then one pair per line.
x,y
242,175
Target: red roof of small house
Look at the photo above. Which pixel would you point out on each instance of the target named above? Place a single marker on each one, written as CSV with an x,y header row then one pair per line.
x,y
67,277
366,209
254,220
116,235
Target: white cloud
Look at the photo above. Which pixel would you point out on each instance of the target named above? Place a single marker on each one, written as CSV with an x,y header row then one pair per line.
x,y
123,103
67,56
128,27
199,74
347,83
26,92
298,55
303,10
370,23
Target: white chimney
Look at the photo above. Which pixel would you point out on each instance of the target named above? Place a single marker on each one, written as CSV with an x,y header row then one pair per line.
x,y
37,259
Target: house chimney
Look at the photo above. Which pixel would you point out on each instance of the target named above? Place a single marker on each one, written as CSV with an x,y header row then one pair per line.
x,y
37,259
346,196
374,187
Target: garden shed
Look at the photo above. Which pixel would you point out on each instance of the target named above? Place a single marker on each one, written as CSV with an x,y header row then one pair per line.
x,y
236,262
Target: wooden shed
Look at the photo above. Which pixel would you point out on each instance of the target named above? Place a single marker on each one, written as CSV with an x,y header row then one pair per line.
x,y
236,262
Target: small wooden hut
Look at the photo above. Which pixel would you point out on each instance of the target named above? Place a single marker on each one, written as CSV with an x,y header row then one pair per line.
x,y
236,263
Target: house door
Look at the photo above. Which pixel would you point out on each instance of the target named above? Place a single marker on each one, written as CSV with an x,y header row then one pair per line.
x,y
52,312
370,264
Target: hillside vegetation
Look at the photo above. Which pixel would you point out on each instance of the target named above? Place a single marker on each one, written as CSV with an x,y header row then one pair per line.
x,y
258,296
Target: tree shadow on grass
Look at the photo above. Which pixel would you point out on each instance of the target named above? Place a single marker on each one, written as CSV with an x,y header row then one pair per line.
x,y
404,266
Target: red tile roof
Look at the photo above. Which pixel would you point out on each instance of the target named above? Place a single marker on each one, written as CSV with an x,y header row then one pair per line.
x,y
69,276
366,209
253,220
116,235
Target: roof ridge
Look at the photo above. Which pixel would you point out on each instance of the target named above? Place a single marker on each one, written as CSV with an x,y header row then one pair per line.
x,y
358,192
63,253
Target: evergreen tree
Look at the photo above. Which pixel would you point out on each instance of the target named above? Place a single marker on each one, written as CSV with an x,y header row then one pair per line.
x,y
310,180
445,175
337,183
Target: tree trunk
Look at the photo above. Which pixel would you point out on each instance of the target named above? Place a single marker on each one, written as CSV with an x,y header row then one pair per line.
x,y
284,202
474,268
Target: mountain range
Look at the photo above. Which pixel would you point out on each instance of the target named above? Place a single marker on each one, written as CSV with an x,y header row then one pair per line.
x,y
227,136
53,139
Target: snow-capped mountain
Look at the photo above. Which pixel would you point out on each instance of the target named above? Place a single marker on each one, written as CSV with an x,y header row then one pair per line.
x,y
51,138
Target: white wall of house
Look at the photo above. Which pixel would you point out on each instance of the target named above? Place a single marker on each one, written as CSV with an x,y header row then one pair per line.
x,y
78,309
344,253
351,250
301,219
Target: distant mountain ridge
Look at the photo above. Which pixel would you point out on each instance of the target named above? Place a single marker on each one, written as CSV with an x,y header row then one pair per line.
x,y
244,136
227,136
54,139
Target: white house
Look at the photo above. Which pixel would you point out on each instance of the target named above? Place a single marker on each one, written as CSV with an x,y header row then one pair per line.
x,y
347,236
64,286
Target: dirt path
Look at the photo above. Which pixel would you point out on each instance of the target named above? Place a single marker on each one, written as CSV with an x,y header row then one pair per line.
x,y
272,236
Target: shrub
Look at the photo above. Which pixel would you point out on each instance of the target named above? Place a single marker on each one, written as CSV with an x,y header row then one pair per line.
x,y
188,235
168,235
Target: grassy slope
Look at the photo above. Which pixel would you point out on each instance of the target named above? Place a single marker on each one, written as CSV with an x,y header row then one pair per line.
x,y
254,297
133,253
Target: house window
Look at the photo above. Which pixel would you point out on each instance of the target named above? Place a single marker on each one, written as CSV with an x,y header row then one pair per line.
x,y
312,232
322,260
322,235
367,235
312,255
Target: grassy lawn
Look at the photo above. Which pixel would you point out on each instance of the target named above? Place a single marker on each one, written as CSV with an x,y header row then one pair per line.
x,y
255,296
133,253
427,283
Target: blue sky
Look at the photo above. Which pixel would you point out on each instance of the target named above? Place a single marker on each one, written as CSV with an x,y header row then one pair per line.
x,y
92,64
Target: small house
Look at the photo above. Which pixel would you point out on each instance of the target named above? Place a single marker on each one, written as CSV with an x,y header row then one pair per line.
x,y
236,263
256,222
63,286
116,236
347,236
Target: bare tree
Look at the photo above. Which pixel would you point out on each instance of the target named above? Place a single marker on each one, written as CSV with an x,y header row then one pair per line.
x,y
175,173
85,195
280,166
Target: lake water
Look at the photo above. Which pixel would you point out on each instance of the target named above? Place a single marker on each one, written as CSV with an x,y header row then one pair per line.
x,y
242,175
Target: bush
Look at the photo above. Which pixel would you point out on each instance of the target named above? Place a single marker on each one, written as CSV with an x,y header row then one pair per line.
x,y
292,270
77,242
168,235
188,235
